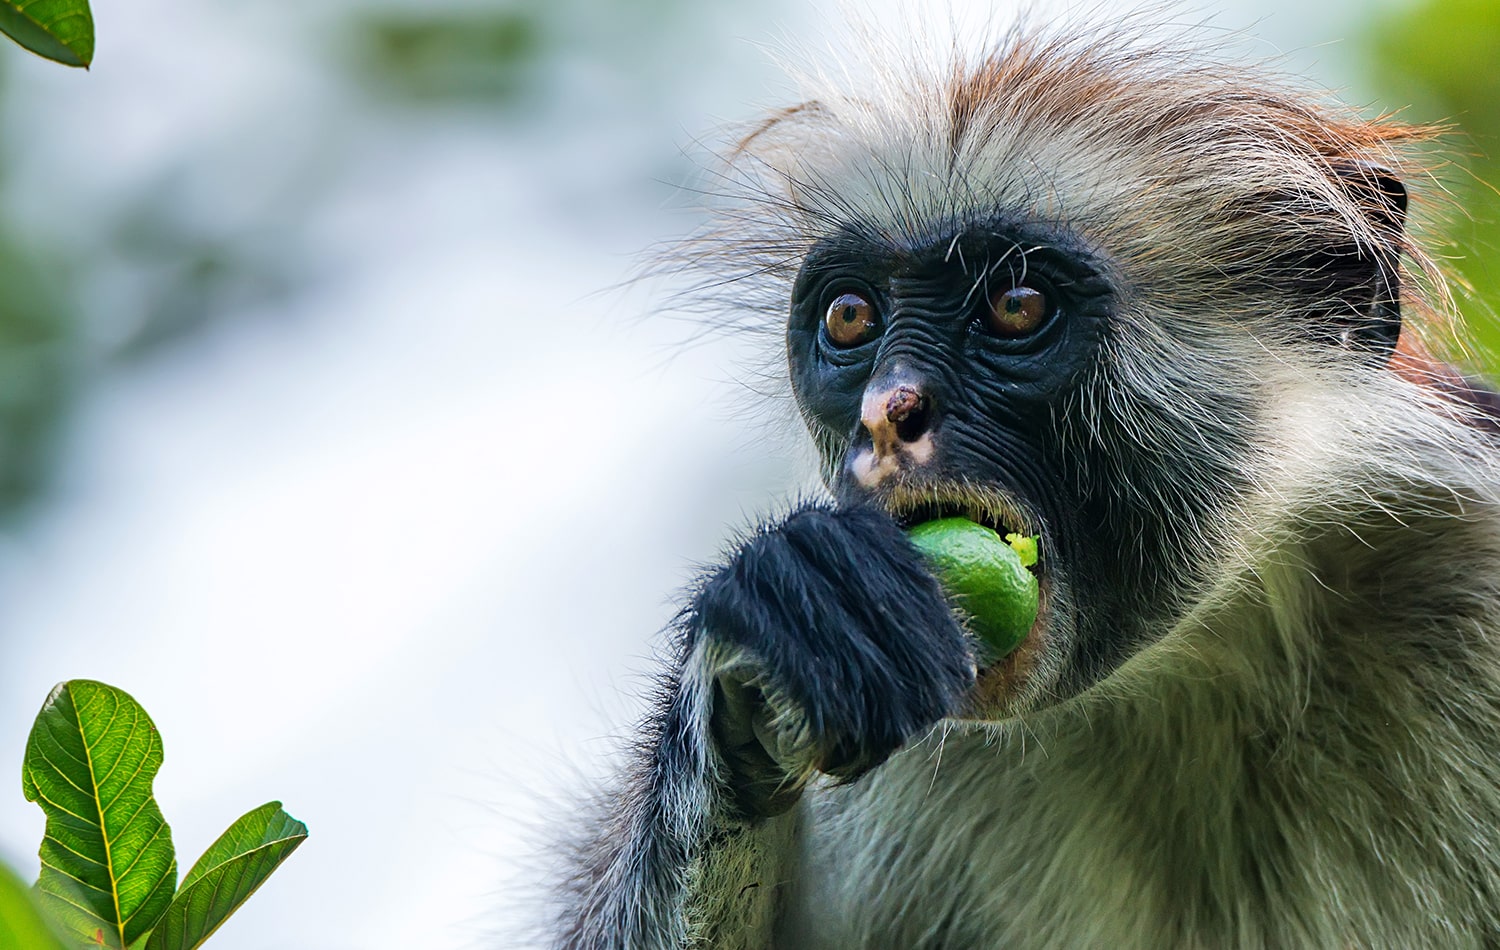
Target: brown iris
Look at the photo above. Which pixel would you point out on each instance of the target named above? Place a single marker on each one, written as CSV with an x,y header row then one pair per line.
x,y
850,321
1017,311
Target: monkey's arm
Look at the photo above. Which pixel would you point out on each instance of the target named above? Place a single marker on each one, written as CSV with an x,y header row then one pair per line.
x,y
674,862
822,646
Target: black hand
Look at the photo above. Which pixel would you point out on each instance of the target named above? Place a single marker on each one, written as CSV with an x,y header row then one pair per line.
x,y
830,645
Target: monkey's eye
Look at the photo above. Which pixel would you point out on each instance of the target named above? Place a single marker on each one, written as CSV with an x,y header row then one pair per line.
x,y
1016,312
851,320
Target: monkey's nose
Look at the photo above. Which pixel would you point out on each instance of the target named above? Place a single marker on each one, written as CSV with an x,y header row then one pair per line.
x,y
897,413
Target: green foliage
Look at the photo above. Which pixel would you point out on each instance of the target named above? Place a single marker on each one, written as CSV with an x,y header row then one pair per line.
x,y
521,55
108,867
227,874
61,30
484,55
36,346
38,370
108,870
1448,49
1441,55
22,926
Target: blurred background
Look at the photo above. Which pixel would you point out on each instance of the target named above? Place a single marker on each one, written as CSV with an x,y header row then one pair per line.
x,y
329,433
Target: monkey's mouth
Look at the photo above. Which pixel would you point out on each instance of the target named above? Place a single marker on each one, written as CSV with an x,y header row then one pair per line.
x,y
1004,679
1002,523
992,508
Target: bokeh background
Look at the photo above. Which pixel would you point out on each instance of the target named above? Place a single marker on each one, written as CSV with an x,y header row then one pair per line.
x,y
329,432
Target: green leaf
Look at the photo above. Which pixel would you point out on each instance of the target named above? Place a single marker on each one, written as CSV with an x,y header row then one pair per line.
x,y
227,874
61,30
21,922
108,870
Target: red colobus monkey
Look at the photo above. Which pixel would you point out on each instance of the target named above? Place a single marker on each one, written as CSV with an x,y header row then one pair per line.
x,y
1260,706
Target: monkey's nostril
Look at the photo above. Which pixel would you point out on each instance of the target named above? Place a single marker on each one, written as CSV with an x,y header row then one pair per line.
x,y
906,409
914,426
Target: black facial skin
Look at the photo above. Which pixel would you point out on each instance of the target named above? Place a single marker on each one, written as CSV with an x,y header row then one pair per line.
x,y
994,402
1110,513
990,396
840,646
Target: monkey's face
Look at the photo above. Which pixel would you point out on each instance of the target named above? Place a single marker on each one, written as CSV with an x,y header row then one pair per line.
x,y
1073,291
960,375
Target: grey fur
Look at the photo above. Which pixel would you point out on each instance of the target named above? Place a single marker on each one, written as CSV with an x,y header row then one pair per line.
x,y
1307,754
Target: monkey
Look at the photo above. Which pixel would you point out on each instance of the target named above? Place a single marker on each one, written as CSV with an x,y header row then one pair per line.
x,y
1166,312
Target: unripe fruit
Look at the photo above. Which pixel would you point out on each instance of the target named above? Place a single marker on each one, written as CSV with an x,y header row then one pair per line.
x,y
984,576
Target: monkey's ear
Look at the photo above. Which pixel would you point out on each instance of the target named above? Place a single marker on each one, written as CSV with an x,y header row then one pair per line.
x,y
1380,192
1382,197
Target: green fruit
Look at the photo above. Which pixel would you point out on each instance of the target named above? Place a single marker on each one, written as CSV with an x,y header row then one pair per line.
x,y
986,577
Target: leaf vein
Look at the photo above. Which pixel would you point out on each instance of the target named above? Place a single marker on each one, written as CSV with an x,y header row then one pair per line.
x,y
73,877
60,772
119,756
43,796
86,910
63,846
141,852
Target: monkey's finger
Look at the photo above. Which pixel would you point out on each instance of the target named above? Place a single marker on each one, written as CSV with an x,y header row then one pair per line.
x,y
751,749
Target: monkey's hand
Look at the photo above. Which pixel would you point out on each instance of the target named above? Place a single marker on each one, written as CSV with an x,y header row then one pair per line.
x,y
829,644
822,646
